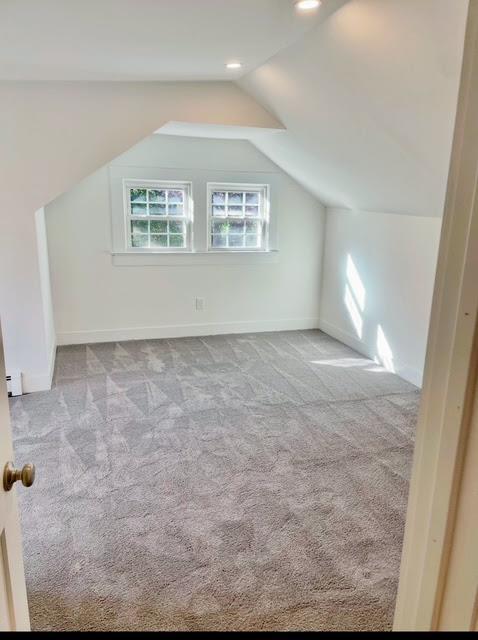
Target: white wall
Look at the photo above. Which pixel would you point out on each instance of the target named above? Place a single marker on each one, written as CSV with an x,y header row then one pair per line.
x,y
96,300
53,135
379,75
378,278
43,381
368,99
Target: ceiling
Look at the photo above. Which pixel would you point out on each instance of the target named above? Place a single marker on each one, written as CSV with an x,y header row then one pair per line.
x,y
366,90
228,132
367,100
143,39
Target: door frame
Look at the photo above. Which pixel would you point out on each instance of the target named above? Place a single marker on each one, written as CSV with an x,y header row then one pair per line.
x,y
450,380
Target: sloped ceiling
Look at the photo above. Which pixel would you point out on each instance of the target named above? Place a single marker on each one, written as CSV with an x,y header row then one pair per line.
x,y
143,39
368,99
366,89
54,134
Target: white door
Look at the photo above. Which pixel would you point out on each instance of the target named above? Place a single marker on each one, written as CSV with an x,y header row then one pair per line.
x,y
13,596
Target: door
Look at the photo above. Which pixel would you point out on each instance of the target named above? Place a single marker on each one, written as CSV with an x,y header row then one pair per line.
x,y
13,596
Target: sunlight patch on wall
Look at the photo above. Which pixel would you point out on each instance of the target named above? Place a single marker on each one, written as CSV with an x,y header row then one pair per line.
x,y
384,351
353,312
354,296
355,283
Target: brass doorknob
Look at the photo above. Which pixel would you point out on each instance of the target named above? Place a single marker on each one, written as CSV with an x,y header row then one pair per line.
x,y
10,475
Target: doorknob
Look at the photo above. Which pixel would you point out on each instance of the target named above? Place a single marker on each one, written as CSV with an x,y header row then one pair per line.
x,y
10,475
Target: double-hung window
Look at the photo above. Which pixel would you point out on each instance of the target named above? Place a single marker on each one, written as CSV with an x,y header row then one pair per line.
x,y
238,217
158,215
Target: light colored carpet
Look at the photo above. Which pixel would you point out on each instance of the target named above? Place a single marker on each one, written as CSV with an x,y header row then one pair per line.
x,y
232,482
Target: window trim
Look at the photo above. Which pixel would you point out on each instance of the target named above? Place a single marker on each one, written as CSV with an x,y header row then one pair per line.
x,y
264,190
187,218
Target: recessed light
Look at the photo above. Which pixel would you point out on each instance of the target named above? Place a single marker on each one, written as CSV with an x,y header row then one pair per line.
x,y
233,65
307,5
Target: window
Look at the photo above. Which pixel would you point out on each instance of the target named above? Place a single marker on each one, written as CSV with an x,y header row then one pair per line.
x,y
158,216
238,217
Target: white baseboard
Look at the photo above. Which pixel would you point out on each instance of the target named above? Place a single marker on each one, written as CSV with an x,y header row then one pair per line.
x,y
42,381
401,369
52,362
185,330
346,338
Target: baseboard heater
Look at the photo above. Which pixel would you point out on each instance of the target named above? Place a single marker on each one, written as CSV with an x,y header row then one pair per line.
x,y
14,384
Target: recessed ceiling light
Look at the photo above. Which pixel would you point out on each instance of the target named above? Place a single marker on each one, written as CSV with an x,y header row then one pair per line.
x,y
307,5
233,65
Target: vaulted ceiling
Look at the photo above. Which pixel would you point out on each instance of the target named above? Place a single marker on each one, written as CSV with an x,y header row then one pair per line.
x,y
143,39
368,100
366,89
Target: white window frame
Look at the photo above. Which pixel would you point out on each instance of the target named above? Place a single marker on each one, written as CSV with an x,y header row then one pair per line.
x,y
264,207
187,218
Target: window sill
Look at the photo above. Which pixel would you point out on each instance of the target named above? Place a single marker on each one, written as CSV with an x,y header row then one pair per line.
x,y
183,258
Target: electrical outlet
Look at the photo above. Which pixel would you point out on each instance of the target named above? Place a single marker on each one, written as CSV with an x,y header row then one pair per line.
x,y
199,304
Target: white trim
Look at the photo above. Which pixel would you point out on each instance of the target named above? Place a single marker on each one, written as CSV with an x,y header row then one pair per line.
x,y
187,218
51,368
449,385
414,376
343,336
32,383
199,179
186,330
264,209
198,258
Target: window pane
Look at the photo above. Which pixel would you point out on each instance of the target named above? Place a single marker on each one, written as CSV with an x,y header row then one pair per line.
x,y
218,197
220,226
137,195
237,217
236,241
157,209
159,241
175,196
159,226
253,241
219,241
253,226
235,198
140,241
236,226
156,195
176,227
176,241
139,209
139,226
252,198
175,209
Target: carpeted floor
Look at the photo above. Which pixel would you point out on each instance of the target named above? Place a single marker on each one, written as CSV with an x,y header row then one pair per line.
x,y
230,482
